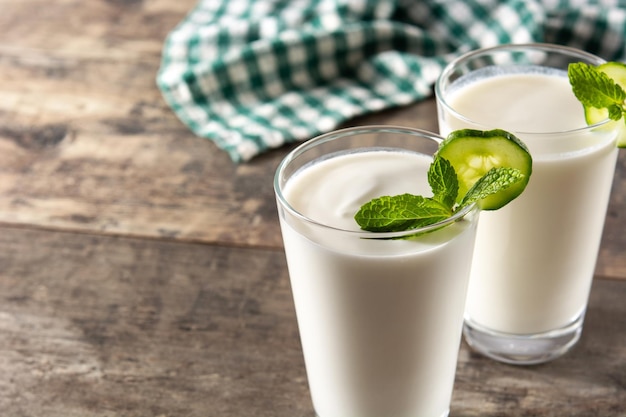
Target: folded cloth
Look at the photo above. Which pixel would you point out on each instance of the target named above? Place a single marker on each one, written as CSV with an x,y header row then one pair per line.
x,y
252,75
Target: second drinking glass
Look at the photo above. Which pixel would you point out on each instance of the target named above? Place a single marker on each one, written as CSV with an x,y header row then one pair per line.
x,y
535,259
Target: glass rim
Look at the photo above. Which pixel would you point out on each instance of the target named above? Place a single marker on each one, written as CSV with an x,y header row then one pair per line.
x,y
546,47
351,131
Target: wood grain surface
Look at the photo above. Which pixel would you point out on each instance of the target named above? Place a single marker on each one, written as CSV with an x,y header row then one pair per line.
x,y
109,326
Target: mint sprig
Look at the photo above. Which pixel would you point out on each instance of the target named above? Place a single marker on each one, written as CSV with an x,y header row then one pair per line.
x,y
400,212
495,180
443,181
594,88
407,211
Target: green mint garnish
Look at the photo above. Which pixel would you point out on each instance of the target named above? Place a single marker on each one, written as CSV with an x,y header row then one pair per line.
x,y
594,88
400,212
443,181
496,179
407,211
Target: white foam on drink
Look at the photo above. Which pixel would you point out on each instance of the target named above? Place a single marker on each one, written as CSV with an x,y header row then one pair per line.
x,y
517,99
499,71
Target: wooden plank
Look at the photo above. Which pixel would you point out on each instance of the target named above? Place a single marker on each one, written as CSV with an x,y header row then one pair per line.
x,y
612,256
106,29
87,153
106,326
87,143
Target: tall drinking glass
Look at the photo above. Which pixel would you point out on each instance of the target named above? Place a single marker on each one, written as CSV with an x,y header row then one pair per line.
x,y
534,259
379,315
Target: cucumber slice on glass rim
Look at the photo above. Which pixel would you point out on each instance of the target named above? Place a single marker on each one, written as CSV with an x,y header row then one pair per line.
x,y
616,71
472,153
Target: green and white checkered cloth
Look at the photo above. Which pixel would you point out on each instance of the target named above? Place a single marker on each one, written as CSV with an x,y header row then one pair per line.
x,y
252,75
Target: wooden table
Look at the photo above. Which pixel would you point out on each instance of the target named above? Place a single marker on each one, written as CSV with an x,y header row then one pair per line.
x,y
142,273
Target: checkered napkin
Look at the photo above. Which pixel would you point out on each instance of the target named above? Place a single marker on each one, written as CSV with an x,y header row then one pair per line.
x,y
252,75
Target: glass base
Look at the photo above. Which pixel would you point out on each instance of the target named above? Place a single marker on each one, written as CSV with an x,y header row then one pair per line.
x,y
529,349
446,414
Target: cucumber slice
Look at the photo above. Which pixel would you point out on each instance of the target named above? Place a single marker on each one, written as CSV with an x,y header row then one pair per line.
x,y
473,153
617,71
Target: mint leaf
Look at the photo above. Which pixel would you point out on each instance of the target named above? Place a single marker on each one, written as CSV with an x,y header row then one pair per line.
x,y
400,212
594,88
615,111
443,181
495,180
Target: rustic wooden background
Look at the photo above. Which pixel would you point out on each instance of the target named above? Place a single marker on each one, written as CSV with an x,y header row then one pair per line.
x,y
87,143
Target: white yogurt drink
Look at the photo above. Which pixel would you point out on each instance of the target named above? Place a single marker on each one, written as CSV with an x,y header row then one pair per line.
x,y
380,319
534,259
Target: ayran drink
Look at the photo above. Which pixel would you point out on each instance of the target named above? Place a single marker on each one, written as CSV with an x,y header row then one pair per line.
x,y
534,260
380,319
